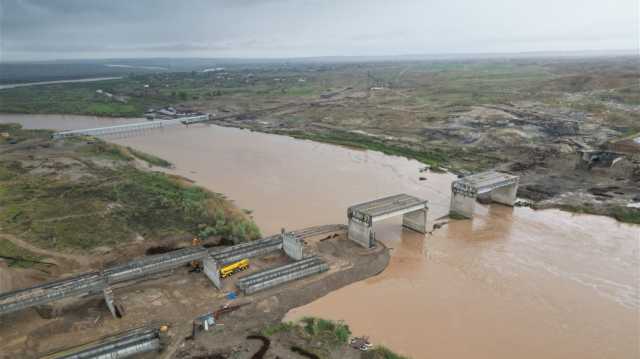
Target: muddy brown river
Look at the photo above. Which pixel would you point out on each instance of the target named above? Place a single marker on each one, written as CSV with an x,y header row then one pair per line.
x,y
511,283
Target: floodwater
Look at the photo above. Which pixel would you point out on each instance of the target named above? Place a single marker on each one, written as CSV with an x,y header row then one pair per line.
x,y
511,283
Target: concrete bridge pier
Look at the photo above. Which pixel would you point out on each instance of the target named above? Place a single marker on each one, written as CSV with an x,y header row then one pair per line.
x,y
502,187
114,308
462,205
362,216
505,195
361,232
416,221
211,270
292,246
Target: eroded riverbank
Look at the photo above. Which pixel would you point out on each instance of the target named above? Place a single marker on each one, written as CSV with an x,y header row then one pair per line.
x,y
510,283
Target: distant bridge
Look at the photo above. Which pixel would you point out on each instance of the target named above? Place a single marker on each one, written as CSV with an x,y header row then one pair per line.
x,y
131,128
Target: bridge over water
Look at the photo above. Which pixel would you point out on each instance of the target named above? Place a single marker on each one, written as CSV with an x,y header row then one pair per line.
x,y
131,129
362,216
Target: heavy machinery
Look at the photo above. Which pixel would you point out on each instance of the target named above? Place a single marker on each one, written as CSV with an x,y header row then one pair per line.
x,y
196,266
203,322
234,267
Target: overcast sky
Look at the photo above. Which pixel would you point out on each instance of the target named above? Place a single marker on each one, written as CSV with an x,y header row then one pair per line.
x,y
50,29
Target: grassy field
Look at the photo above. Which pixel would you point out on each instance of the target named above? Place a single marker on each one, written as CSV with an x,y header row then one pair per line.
x,y
17,257
136,93
321,336
464,115
149,158
86,195
434,158
622,214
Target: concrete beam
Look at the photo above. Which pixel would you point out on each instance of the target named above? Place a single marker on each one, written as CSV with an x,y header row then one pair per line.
x,y
286,273
403,211
124,345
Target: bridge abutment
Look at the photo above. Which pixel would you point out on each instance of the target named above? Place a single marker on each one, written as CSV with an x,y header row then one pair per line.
x,y
292,246
211,270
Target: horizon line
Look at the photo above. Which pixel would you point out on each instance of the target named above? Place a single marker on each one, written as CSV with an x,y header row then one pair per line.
x,y
467,55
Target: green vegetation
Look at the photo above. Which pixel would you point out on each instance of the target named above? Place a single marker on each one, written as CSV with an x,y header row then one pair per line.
x,y
433,158
454,215
74,200
323,335
11,132
626,214
74,98
326,331
622,214
314,330
281,327
16,256
103,150
118,153
149,158
133,94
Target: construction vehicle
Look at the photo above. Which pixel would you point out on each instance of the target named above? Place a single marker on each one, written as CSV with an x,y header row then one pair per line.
x,y
234,267
202,323
360,343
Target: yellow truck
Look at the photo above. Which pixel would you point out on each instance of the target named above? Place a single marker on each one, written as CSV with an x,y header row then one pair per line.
x,y
238,266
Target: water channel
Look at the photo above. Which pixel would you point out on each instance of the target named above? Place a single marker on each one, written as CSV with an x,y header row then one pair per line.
x,y
511,283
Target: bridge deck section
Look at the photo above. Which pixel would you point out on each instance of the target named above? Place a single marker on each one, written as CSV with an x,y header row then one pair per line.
x,y
484,182
283,274
95,282
131,342
384,207
248,250
41,294
154,264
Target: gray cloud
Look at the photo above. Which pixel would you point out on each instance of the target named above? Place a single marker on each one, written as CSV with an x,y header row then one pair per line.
x,y
47,29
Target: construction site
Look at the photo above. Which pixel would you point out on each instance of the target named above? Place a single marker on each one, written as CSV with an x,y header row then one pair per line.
x,y
517,182
156,304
